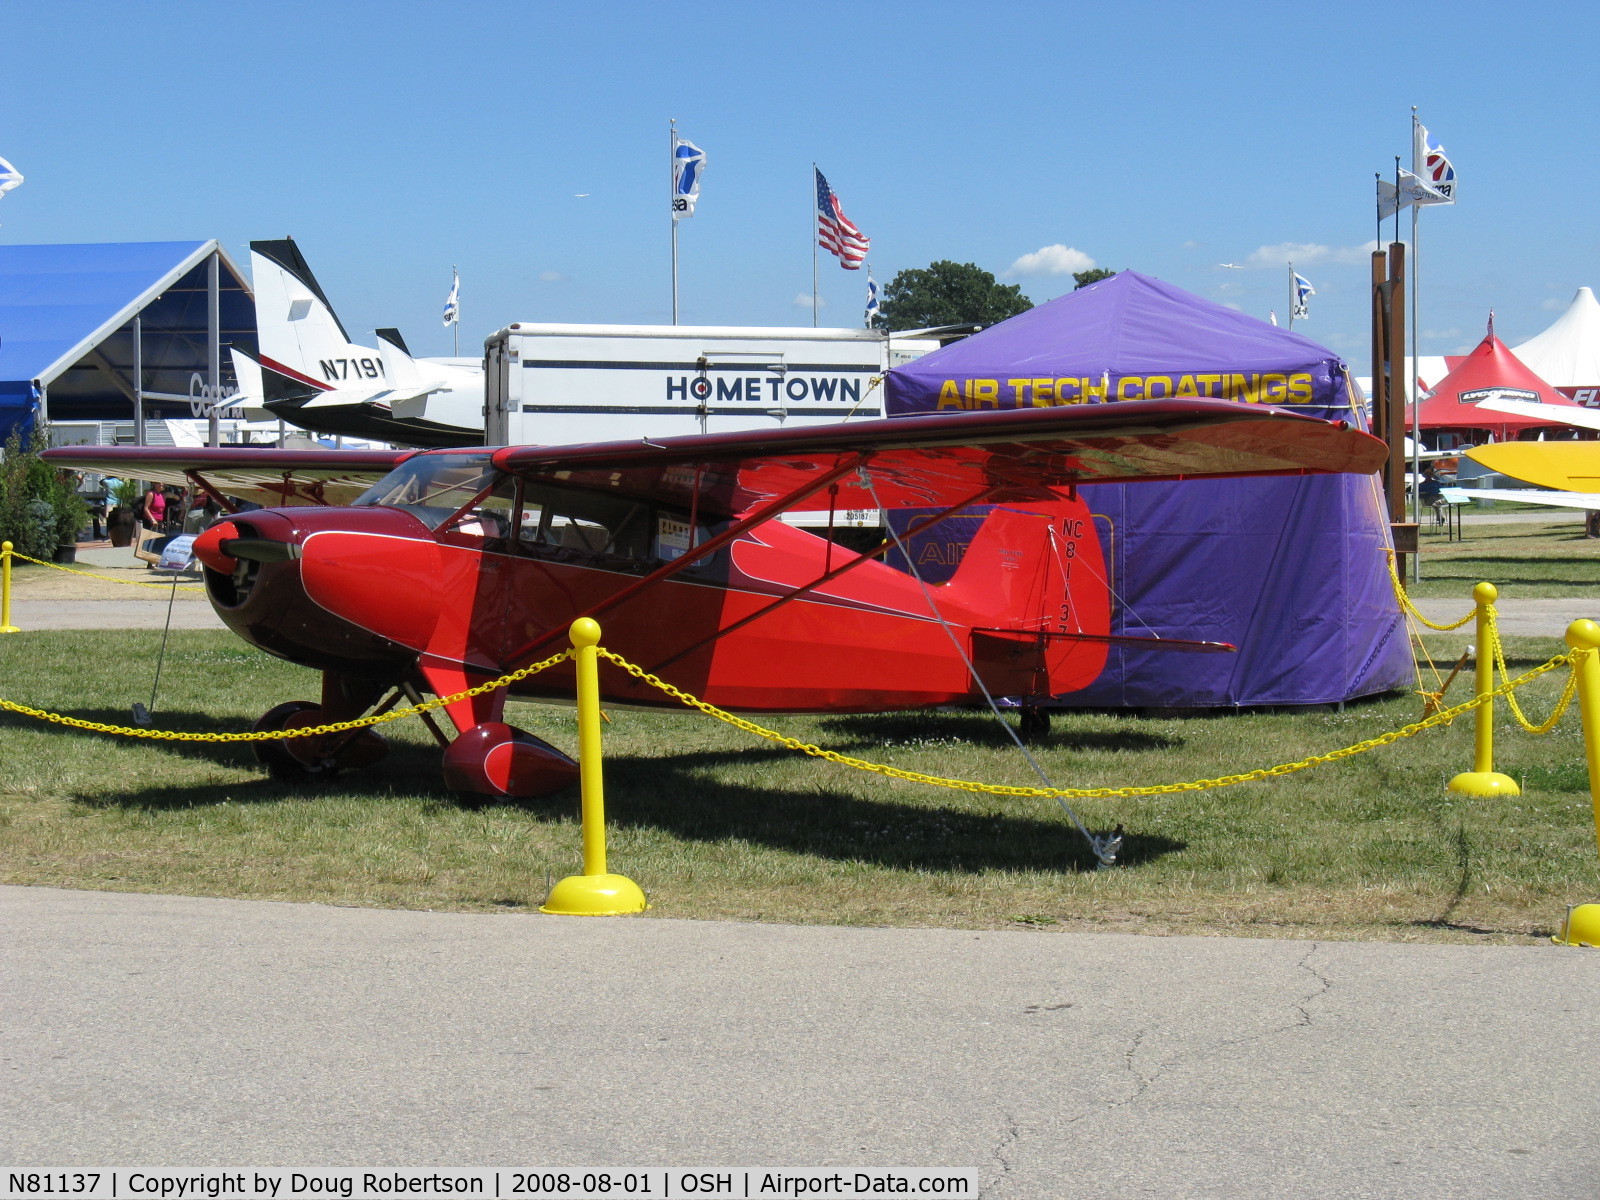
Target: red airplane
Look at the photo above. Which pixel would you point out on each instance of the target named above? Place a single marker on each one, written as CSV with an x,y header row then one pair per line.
x,y
458,566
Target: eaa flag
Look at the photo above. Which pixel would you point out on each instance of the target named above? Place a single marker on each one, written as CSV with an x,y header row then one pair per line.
x,y
452,304
10,177
1436,170
688,161
835,233
1412,190
872,299
1302,290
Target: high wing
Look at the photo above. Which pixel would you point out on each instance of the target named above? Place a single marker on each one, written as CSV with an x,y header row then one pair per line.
x,y
939,459
1560,414
263,475
1565,466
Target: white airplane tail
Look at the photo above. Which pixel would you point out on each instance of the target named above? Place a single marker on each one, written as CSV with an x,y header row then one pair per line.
x,y
300,335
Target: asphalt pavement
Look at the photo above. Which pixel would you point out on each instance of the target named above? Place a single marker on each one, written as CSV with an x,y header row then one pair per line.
x,y
193,1033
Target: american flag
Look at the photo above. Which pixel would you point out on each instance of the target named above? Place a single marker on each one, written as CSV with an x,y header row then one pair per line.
x,y
835,233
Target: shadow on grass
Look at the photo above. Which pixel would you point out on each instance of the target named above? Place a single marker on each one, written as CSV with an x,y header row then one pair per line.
x,y
681,796
980,729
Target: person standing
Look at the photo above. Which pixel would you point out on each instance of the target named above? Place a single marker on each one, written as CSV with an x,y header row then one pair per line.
x,y
154,511
92,491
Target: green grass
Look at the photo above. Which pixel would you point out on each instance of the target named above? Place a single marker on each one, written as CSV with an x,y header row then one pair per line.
x,y
715,824
1547,556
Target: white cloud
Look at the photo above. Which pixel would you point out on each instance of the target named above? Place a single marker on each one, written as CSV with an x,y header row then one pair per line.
x,y
1051,260
1555,304
803,300
1191,244
552,277
1308,254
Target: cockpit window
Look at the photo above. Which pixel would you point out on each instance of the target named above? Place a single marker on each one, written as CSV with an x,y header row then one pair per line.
x,y
432,487
589,525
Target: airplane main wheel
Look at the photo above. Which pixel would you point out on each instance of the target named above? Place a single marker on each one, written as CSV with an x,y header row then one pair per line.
x,y
302,758
274,755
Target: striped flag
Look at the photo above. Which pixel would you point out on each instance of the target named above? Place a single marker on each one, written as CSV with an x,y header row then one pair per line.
x,y
835,233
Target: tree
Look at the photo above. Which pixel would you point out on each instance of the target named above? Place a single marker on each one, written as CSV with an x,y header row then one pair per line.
x,y
949,293
1082,279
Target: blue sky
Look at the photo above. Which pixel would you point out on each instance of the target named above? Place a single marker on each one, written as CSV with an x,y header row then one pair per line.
x,y
394,139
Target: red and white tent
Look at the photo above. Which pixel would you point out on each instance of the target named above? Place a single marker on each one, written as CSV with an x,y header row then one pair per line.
x,y
1491,370
1567,355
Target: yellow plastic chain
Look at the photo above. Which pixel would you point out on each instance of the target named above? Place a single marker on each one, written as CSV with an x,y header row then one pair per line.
x,y
1444,717
268,735
1411,609
1499,652
166,587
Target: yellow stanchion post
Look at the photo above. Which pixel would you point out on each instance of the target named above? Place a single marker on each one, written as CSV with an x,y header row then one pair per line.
x,y
595,893
1483,779
5,590
1582,924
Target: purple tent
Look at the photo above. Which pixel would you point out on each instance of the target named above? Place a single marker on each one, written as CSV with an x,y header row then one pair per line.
x,y
1292,571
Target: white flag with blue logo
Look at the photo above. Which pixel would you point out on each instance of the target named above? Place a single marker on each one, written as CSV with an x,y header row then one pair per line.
x,y
1302,289
872,298
452,305
688,162
1434,166
10,177
1412,190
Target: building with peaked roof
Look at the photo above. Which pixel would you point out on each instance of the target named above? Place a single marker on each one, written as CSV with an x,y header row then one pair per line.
x,y
118,331
1567,354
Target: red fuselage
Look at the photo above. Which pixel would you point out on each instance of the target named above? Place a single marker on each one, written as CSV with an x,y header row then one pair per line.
x,y
374,593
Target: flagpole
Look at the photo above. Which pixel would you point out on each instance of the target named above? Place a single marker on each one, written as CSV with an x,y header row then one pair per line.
x,y
672,151
813,245
1293,299
455,326
1377,182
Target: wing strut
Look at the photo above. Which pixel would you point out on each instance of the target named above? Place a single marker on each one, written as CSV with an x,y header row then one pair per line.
x,y
976,498
760,516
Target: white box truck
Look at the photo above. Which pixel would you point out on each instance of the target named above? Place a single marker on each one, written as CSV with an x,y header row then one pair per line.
x,y
554,384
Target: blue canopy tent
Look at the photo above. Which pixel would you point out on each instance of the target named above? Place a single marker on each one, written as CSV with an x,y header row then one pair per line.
x,y
103,331
1292,571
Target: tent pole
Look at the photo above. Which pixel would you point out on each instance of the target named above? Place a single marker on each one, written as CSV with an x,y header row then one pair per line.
x,y
213,345
138,381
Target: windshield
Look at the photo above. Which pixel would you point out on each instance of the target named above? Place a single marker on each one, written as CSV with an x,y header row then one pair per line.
x,y
433,487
